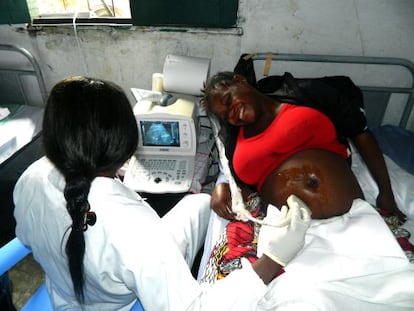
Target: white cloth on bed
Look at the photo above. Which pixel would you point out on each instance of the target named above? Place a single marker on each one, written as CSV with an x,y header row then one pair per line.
x,y
19,130
4,112
349,262
402,184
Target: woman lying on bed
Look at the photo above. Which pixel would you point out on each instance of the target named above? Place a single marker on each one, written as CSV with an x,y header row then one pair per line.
x,y
283,149
349,252
233,100
265,122
270,132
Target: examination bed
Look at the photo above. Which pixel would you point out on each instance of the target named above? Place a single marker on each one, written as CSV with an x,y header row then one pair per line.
x,y
22,100
387,85
23,95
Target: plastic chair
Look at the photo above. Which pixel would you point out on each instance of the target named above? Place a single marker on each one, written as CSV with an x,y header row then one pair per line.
x,y
12,253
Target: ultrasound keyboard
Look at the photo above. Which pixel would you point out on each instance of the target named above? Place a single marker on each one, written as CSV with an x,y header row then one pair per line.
x,y
159,175
158,164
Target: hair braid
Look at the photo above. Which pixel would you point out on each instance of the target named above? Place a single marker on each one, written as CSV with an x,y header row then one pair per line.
x,y
76,193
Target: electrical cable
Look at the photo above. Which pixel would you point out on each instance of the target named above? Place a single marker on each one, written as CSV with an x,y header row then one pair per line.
x,y
75,16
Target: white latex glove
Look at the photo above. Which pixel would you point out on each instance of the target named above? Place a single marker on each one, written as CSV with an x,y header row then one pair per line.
x,y
283,241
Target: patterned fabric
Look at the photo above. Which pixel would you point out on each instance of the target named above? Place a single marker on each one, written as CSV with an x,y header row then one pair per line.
x,y
402,235
237,241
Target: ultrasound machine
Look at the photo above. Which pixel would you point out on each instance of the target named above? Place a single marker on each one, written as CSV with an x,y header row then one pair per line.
x,y
165,158
168,128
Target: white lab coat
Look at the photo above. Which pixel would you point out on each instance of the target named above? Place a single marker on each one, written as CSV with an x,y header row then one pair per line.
x,y
130,251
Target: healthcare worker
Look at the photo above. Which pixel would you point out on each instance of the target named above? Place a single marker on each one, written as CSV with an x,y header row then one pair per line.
x,y
100,244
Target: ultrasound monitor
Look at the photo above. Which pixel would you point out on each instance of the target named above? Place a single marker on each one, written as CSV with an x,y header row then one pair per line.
x,y
167,145
160,133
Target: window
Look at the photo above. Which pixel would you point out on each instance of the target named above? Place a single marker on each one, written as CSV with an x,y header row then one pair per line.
x,y
85,11
177,13
83,8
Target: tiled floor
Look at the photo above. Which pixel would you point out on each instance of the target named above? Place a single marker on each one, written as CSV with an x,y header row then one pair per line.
x,y
26,277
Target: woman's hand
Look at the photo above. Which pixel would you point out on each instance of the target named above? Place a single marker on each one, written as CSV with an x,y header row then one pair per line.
x,y
221,201
385,201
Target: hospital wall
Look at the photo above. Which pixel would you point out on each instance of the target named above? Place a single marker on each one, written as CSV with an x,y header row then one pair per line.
x,y
129,55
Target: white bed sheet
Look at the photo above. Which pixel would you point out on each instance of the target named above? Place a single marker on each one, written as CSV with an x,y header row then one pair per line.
x,y
18,130
402,184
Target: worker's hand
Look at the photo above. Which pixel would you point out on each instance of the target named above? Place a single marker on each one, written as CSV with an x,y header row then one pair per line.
x,y
386,201
282,242
221,201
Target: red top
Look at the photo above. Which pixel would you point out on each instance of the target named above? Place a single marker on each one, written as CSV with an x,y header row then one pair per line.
x,y
294,129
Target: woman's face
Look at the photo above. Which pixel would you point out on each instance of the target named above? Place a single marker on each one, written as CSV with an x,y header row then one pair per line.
x,y
234,104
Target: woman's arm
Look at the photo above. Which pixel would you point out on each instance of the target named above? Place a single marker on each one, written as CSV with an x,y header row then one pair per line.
x,y
372,155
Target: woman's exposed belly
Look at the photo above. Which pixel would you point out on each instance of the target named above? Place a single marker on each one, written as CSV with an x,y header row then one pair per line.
x,y
322,179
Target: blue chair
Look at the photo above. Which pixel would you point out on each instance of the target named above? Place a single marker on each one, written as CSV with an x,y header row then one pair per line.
x,y
10,255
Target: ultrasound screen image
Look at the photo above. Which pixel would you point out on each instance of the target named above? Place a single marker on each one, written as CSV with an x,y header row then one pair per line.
x,y
160,133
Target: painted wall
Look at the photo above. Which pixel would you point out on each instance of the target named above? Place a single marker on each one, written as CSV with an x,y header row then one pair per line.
x,y
129,56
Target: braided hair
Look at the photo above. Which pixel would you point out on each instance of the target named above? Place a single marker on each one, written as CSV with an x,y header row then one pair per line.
x,y
88,130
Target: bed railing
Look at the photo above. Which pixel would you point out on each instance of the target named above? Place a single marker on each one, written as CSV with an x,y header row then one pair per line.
x,y
21,79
